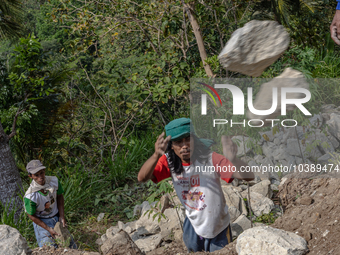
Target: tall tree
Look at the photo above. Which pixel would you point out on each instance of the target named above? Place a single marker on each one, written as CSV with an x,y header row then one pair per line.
x,y
31,79
10,182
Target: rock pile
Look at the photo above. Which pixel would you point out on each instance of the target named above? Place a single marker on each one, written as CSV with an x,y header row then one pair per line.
x,y
289,147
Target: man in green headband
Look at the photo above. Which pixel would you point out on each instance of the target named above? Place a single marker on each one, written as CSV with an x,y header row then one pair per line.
x,y
196,174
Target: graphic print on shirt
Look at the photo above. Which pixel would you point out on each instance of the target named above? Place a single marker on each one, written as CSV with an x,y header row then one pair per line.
x,y
49,204
194,199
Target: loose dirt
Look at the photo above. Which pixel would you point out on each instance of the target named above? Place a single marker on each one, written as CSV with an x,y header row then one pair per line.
x,y
46,250
311,210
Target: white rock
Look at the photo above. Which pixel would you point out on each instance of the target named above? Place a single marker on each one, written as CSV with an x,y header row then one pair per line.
x,y
234,213
262,188
274,187
260,204
12,242
149,243
104,238
268,240
234,199
241,224
146,225
120,225
110,232
100,216
172,221
254,47
145,207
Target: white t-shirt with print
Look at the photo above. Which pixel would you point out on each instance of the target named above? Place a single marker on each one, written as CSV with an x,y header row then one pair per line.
x,y
45,205
200,192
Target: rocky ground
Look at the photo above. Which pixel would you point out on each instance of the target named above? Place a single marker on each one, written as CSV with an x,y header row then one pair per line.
x,y
311,210
306,205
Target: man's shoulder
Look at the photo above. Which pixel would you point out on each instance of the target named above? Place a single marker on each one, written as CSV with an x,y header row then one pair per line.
x,y
53,180
33,196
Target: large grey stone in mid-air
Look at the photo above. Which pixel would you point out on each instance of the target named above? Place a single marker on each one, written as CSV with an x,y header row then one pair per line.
x,y
290,78
254,47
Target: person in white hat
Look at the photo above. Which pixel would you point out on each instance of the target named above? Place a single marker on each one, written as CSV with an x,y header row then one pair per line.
x,y
44,204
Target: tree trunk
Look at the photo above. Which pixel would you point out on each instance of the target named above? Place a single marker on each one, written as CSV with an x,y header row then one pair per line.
x,y
10,181
195,26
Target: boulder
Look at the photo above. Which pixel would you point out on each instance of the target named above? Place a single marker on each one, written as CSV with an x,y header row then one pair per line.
x,y
172,221
146,225
120,225
263,101
262,188
234,199
254,47
103,238
122,244
12,242
268,240
241,224
260,204
64,237
100,217
110,232
234,213
149,243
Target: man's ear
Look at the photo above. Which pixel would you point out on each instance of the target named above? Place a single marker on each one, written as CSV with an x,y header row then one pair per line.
x,y
30,176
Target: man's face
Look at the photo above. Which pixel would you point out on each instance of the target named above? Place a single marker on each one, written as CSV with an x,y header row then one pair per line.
x,y
39,177
182,148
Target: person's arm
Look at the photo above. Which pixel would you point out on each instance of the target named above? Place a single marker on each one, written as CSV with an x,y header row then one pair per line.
x,y
335,25
42,224
60,204
146,171
230,152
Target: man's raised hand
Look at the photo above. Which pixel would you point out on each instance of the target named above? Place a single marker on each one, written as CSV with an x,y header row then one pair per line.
x,y
229,148
161,144
335,27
